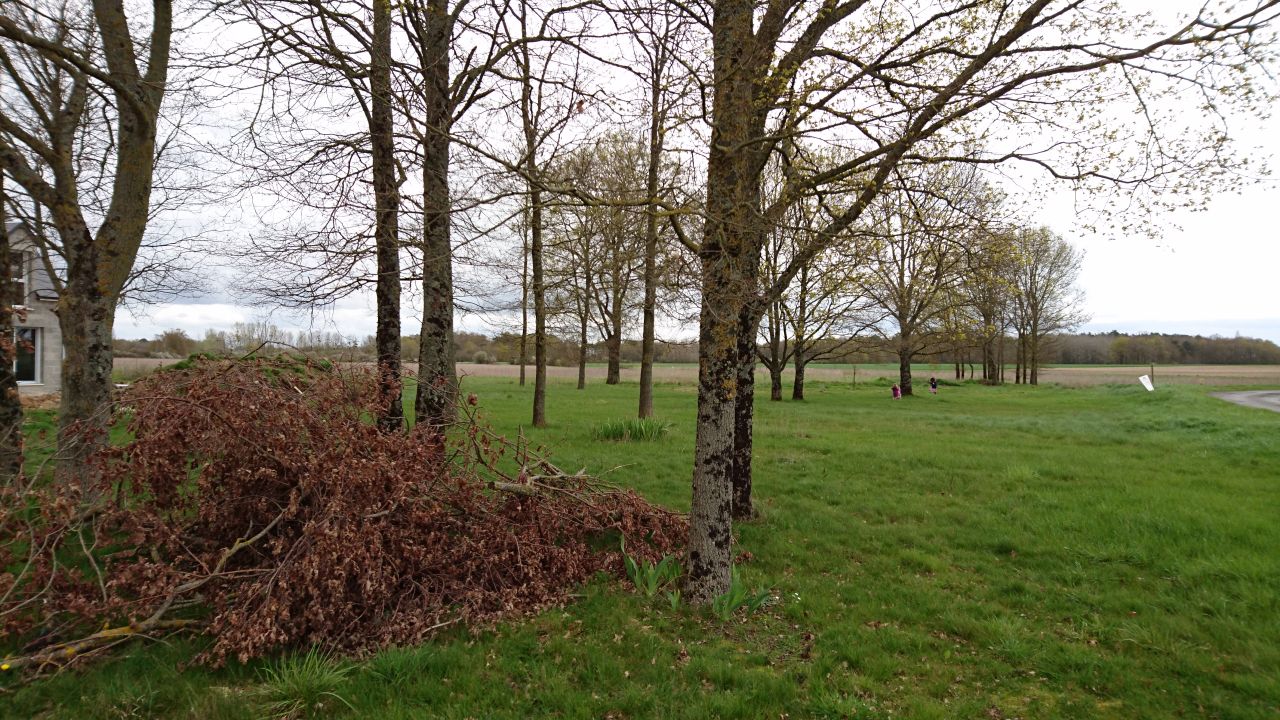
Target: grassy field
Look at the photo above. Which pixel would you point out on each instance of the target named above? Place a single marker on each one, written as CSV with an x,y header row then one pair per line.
x,y
986,553
130,369
1072,375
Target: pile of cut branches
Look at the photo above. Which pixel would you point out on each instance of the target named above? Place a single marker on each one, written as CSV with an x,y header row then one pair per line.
x,y
259,503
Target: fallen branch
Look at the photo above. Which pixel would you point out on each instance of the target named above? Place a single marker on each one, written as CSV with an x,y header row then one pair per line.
x,y
59,655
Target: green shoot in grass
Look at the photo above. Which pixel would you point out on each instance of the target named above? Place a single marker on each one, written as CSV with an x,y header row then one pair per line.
x,y
737,597
648,577
638,430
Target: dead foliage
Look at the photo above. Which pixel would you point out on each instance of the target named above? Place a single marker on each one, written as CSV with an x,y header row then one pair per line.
x,y
259,503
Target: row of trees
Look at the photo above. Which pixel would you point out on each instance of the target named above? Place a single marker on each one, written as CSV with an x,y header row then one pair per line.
x,y
933,269
1123,349
794,147
1112,347
267,338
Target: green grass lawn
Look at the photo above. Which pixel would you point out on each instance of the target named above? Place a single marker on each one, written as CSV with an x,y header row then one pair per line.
x,y
986,553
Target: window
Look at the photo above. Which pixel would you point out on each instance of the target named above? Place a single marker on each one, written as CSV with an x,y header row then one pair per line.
x,y
26,360
18,272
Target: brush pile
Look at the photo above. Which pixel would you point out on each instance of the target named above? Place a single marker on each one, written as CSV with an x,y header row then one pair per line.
x,y
258,502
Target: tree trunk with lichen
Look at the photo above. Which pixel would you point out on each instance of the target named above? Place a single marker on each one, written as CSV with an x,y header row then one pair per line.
x,y
710,517
744,415
729,257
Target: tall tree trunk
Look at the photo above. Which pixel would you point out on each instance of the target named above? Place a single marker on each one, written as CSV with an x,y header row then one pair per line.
x,y
711,509
1033,355
730,259
539,309
1000,356
437,376
10,402
386,194
615,334
744,416
801,333
582,341
524,307
651,244
777,351
904,370
1020,372
797,385
528,121
613,344
86,316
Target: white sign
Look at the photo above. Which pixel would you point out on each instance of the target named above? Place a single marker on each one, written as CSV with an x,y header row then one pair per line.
x,y
1146,383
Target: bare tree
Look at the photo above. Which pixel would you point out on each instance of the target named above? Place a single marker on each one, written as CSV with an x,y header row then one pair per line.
x,y
778,349
988,293
62,62
659,32
444,97
923,229
320,61
828,313
386,197
1046,299
821,312
546,79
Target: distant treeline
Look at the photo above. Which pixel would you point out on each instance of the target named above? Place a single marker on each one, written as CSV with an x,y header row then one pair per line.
x,y
468,347
1117,348
1123,349
1078,349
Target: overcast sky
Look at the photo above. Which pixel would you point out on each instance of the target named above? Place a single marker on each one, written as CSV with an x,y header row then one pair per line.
x,y
1212,272
1218,274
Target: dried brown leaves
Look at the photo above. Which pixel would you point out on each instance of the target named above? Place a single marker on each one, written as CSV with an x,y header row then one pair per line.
x,y
260,492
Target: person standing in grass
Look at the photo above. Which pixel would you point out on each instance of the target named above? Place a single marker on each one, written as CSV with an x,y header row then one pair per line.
x,y
933,385
897,392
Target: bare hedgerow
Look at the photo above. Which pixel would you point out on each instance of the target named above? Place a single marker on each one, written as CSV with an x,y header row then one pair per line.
x,y
258,502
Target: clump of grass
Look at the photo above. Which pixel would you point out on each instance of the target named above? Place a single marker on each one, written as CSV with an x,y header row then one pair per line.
x,y
634,429
304,685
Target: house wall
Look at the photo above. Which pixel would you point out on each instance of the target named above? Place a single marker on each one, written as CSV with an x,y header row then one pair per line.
x,y
40,314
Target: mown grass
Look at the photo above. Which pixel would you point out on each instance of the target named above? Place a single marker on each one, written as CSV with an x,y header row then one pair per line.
x,y
988,552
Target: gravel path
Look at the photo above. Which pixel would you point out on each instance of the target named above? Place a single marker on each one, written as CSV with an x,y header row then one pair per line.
x,y
1265,399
